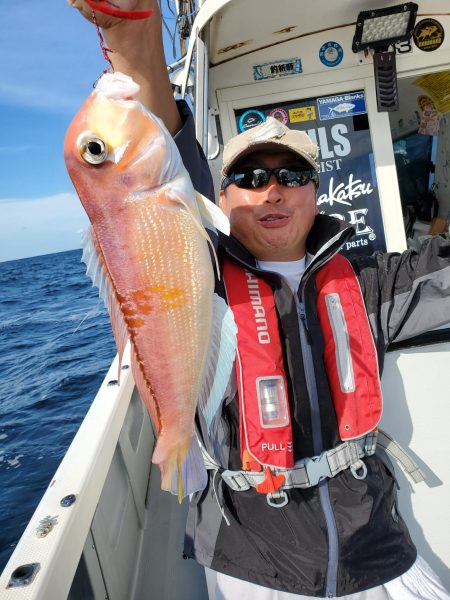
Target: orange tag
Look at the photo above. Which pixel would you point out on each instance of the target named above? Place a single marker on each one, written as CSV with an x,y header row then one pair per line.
x,y
271,483
249,463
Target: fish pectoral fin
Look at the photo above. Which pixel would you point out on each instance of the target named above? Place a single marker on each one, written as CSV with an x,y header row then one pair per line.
x,y
219,362
183,470
212,215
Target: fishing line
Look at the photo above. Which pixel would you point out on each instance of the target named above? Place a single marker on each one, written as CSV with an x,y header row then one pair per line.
x,y
103,48
91,313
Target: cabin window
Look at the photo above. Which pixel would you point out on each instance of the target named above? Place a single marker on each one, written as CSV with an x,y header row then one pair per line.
x,y
348,186
415,173
420,134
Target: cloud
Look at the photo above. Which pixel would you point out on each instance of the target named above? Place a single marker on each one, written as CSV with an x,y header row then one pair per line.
x,y
35,94
14,149
34,226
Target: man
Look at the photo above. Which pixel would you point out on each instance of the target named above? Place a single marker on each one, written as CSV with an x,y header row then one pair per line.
x,y
302,528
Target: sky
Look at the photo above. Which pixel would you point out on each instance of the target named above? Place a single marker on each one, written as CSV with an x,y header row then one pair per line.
x,y
49,58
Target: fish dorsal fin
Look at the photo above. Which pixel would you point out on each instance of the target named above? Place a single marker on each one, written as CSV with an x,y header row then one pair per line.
x,y
212,215
220,360
97,270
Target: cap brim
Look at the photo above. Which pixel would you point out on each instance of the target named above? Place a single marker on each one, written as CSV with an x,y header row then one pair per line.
x,y
272,146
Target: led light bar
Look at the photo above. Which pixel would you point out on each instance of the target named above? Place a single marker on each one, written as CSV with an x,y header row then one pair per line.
x,y
384,27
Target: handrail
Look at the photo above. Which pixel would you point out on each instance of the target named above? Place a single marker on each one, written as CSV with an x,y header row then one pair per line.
x,y
81,473
205,14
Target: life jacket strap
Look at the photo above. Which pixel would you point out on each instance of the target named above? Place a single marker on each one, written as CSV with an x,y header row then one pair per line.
x,y
307,472
401,457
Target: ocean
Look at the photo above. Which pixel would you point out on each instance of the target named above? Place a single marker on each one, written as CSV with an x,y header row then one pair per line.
x,y
56,346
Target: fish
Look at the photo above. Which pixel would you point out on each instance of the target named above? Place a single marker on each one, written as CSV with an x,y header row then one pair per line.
x,y
344,107
427,32
149,253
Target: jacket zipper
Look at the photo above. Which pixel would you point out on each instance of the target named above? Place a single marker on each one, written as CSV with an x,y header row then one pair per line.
x,y
324,496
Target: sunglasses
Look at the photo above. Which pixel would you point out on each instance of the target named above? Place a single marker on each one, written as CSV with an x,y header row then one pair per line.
x,y
249,179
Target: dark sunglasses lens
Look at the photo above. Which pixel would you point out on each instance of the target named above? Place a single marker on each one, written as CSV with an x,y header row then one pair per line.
x,y
292,178
256,178
260,177
251,179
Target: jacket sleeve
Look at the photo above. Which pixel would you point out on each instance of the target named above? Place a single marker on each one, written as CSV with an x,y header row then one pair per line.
x,y
192,154
407,294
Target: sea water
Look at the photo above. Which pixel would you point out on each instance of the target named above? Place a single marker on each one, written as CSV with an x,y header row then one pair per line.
x,y
56,345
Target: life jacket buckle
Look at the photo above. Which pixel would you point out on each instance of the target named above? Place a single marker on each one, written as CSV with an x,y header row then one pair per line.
x,y
317,468
236,480
277,499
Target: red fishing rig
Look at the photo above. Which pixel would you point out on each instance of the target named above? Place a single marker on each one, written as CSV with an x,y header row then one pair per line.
x,y
109,8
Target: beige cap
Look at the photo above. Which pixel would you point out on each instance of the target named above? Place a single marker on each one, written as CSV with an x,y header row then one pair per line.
x,y
270,133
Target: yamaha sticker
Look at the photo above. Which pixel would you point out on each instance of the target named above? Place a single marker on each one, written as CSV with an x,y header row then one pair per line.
x,y
279,68
280,115
251,118
428,35
331,54
344,105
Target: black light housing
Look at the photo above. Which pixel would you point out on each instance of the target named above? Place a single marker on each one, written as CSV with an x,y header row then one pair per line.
x,y
384,27
386,81
378,30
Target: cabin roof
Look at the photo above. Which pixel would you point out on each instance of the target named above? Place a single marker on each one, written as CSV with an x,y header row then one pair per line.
x,y
239,27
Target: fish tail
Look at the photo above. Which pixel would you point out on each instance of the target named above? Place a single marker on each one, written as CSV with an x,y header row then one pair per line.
x,y
183,471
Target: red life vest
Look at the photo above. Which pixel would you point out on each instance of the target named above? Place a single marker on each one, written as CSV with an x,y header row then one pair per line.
x,y
349,355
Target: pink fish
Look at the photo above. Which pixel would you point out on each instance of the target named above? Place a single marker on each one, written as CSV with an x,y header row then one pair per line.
x,y
148,253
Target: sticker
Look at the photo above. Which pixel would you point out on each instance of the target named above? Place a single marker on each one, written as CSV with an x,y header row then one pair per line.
x,y
430,121
251,118
302,113
280,115
344,105
425,103
437,87
331,54
403,47
428,35
279,68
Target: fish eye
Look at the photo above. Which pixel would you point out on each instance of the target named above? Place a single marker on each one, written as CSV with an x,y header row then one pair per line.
x,y
92,148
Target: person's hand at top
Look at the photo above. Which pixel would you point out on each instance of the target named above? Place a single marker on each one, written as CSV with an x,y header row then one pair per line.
x,y
105,20
137,50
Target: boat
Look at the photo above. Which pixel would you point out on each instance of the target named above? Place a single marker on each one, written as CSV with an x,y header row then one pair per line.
x,y
103,528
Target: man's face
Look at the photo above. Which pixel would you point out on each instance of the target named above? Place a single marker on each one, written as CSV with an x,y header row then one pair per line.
x,y
273,221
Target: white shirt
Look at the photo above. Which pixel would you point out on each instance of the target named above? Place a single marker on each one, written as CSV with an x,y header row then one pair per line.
x,y
291,270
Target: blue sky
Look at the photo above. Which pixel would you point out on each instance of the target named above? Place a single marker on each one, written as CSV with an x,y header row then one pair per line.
x,y
50,57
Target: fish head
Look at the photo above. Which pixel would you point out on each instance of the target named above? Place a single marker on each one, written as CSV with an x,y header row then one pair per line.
x,y
115,149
